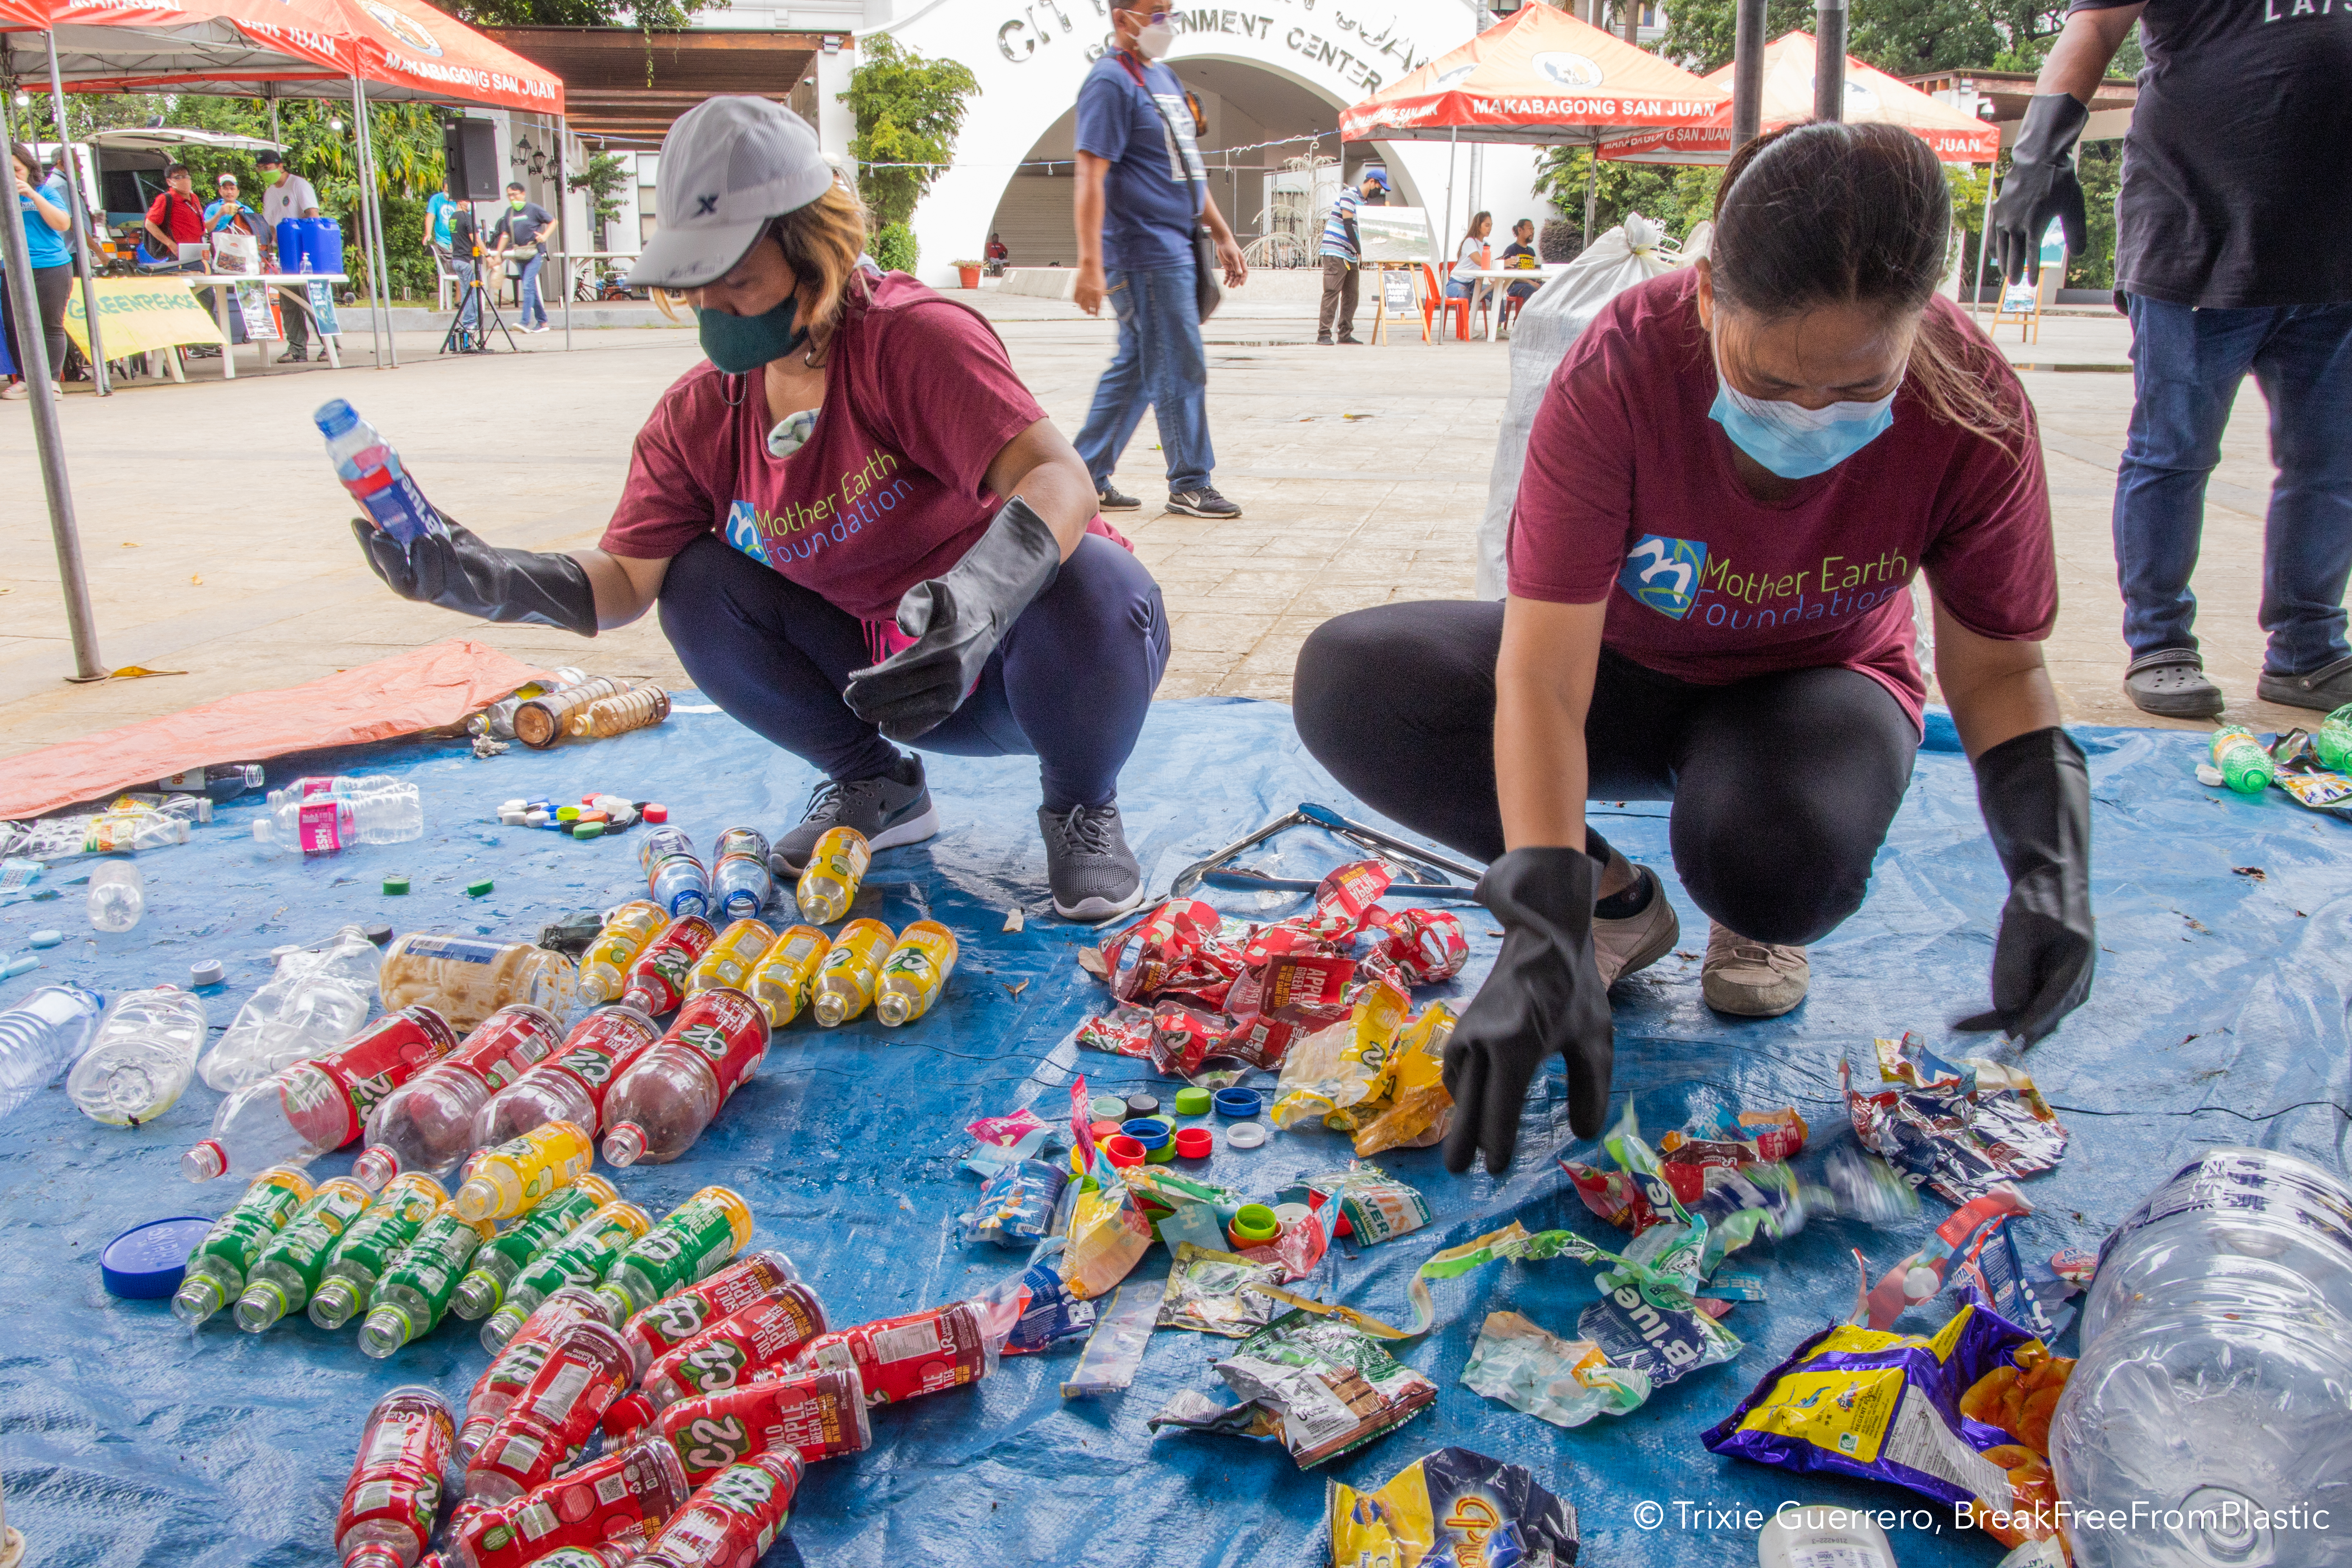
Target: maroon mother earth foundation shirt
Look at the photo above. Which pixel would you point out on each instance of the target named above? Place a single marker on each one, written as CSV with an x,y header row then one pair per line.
x,y
1629,496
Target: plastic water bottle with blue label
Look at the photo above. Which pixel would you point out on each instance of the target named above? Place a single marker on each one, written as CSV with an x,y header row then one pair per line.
x,y
371,470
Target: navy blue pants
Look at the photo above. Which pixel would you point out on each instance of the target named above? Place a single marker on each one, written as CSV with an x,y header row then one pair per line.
x,y
1070,683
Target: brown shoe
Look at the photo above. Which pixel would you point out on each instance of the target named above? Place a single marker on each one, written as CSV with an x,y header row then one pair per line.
x,y
1621,947
1752,979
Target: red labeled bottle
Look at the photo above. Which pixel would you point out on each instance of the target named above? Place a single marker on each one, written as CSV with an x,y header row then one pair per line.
x,y
395,1484
427,1124
751,1278
657,979
732,1520
511,1370
314,1107
903,1358
554,1415
635,1490
814,1414
570,1084
766,1335
657,1109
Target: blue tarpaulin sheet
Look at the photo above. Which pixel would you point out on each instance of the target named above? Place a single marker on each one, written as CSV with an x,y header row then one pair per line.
x,y
2219,1016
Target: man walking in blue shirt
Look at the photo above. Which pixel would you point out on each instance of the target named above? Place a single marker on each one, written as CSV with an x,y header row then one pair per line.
x,y
1342,253
1141,189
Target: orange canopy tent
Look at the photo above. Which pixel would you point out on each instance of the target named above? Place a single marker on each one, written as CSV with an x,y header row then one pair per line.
x,y
1870,96
1540,75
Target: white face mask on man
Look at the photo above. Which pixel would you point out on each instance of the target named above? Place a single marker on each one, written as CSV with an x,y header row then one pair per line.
x,y
1156,38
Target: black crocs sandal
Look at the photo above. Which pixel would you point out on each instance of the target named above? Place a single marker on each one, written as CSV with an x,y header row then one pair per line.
x,y
2324,691
2171,683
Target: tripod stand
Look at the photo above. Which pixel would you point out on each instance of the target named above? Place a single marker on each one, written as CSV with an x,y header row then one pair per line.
x,y
473,296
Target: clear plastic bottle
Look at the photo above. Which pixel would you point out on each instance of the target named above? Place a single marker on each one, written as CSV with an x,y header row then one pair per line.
x,y
786,975
915,972
117,895
41,1037
730,960
541,721
331,824
852,968
742,884
217,783
605,967
581,1259
427,1124
2332,741
513,1176
143,1054
2246,765
291,1266
414,1295
341,786
468,978
2208,1404
375,1240
673,873
639,708
395,1484
509,1252
698,1237
216,1269
369,468
302,1111
657,979
829,883
128,832
317,1000
570,1085
657,1109
497,721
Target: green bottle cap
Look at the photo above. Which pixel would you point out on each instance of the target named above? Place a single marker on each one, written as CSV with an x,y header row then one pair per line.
x,y
394,887
476,889
1192,1101
567,814
588,831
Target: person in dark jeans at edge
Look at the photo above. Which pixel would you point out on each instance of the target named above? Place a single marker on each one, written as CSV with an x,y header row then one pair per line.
x,y
286,195
1343,254
1734,475
856,524
44,208
518,230
2233,253
1138,176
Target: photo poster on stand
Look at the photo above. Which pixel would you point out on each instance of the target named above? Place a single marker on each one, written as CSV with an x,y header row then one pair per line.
x,y
1394,234
258,304
322,309
1396,290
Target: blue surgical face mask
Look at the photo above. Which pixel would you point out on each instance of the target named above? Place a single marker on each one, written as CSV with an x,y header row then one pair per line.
x,y
740,344
1793,441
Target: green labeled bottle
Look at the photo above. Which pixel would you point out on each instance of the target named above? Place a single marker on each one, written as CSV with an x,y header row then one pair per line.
x,y
2332,741
289,1269
215,1272
368,1247
507,1255
579,1258
414,1291
2246,765
697,1237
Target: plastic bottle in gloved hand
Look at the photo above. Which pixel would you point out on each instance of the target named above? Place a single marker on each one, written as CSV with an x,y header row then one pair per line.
x,y
2035,793
1544,994
957,619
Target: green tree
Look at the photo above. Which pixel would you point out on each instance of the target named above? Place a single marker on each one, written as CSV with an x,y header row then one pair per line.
x,y
603,179
1673,196
1901,37
647,15
908,109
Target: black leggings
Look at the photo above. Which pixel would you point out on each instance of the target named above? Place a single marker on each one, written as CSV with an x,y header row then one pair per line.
x,y
1783,784
52,286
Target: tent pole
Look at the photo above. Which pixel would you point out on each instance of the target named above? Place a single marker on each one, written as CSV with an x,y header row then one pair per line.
x,y
1453,140
48,436
1591,188
1746,73
98,376
382,268
1828,59
1984,231
269,92
376,322
561,131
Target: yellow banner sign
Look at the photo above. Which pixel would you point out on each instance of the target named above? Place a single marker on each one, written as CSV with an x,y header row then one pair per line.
x,y
136,314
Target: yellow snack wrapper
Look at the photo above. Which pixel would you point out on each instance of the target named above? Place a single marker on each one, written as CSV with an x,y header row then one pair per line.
x,y
1339,1066
1419,1111
1109,1236
1475,1509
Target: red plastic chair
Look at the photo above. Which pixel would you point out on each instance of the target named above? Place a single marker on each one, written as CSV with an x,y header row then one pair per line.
x,y
1434,301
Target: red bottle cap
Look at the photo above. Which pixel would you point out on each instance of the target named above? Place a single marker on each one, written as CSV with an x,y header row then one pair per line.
x,y
654,811
1195,1142
1122,1151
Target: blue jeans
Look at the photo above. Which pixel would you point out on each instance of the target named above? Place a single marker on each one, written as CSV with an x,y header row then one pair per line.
x,y
2187,365
527,288
1458,290
1160,363
469,307
1070,683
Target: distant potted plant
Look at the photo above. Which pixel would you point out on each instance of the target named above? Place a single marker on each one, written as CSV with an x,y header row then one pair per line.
x,y
969,272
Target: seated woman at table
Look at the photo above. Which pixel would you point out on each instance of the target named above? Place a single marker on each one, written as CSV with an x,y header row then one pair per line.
x,y
857,526
1736,474
1468,258
1523,244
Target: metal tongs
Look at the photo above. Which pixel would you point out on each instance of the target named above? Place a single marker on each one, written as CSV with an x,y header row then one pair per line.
x,y
1429,879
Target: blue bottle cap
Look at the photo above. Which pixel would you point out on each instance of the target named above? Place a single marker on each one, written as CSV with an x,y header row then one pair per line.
x,y
145,1263
1147,1130
1238,1103
45,939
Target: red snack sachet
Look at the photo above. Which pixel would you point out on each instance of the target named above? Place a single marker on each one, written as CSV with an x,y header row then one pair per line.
x,y
1183,1038
1428,945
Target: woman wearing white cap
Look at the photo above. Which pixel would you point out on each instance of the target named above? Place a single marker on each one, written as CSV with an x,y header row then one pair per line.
x,y
856,523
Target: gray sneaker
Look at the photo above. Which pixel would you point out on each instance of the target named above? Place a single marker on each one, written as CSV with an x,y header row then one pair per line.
x,y
1093,872
891,810
1752,979
1637,941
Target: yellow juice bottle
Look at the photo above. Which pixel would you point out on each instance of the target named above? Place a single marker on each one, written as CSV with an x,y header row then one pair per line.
x,y
835,867
503,1181
730,960
786,975
845,982
605,967
915,972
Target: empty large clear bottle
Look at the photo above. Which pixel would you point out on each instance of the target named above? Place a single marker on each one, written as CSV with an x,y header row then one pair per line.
x,y
41,1037
371,470
468,978
327,825
302,1111
346,786
317,1000
117,895
2211,1393
141,1059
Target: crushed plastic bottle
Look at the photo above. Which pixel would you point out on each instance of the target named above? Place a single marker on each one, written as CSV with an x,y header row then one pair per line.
x,y
300,1112
657,1109
41,1037
510,1178
581,1259
729,961
569,1086
2205,1421
786,976
551,1219
282,1278
117,895
657,979
698,1237
835,868
852,968
328,825
366,1249
605,967
915,972
741,880
142,1057
216,1269
369,467
467,978
427,1124
414,1295
317,999
2332,741
394,1489
673,873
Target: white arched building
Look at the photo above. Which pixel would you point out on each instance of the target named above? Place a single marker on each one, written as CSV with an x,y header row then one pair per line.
x,y
1267,71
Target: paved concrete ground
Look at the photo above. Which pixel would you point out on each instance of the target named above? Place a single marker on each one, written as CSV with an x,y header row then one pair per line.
x,y
216,544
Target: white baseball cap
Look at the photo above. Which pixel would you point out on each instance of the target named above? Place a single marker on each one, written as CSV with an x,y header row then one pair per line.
x,y
728,165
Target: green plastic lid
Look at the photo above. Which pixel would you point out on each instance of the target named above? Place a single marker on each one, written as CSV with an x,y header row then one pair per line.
x,y
1194,1102
395,886
587,830
476,889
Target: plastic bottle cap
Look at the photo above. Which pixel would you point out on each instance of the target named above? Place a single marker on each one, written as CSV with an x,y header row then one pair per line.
x,y
1102,1129
588,831
1122,1151
1146,1131
1142,1105
393,886
1108,1108
1192,1101
147,1262
380,933
208,973
45,939
518,803
1290,1214
654,811
475,890
513,817
1254,1225
1195,1142
1245,1134
534,818
1238,1103
567,814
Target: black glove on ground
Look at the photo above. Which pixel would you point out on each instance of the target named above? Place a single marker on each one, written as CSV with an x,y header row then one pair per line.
x,y
1543,995
2035,793
2041,186
959,620
458,572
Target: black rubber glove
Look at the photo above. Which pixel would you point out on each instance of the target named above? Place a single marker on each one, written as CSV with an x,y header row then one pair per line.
x,y
1543,995
460,573
2041,186
957,620
2035,793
